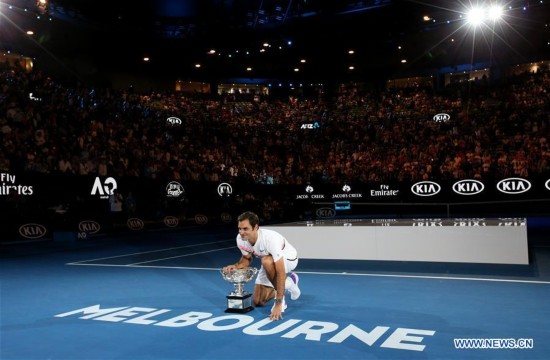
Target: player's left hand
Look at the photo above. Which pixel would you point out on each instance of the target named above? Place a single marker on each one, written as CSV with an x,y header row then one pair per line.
x,y
277,313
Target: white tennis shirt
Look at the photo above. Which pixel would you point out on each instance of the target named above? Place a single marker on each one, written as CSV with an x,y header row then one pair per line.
x,y
269,243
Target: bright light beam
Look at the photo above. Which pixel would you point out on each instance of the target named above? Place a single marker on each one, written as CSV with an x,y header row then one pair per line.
x,y
475,16
495,13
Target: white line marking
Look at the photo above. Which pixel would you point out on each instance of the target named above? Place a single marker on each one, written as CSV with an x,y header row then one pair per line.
x,y
152,251
179,256
334,273
427,277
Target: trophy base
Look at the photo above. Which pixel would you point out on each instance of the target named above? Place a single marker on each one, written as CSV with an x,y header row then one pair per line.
x,y
239,311
239,304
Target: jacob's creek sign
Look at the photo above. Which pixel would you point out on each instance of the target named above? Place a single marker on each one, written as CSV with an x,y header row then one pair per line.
x,y
347,193
310,194
380,336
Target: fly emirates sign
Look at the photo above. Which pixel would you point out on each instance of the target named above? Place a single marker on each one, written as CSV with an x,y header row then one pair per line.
x,y
380,336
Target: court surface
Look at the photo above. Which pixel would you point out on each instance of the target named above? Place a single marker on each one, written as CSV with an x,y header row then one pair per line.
x,y
159,295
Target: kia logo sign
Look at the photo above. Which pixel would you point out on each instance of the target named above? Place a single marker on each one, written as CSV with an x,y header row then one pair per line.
x,y
32,231
468,187
135,224
172,120
226,217
547,184
89,226
513,186
171,221
442,117
325,213
201,219
426,188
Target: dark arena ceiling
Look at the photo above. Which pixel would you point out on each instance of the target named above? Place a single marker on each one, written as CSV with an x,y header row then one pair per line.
x,y
306,40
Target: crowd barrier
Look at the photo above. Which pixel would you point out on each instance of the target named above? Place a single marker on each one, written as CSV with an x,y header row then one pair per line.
x,y
40,206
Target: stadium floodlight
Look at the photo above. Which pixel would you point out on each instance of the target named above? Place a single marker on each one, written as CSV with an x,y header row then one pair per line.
x,y
479,15
495,13
475,16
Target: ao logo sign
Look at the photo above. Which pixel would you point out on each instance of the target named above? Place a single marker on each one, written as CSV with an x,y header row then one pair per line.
x,y
105,189
426,188
325,213
513,186
468,187
315,125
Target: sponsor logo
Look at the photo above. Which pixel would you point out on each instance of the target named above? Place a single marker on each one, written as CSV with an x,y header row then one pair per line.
x,y
347,195
309,194
469,222
226,218
513,186
89,226
442,117
407,339
32,97
174,190
225,190
8,186
427,222
547,184
512,222
325,213
384,191
172,120
32,231
426,188
135,224
468,187
171,221
342,205
314,125
201,219
104,190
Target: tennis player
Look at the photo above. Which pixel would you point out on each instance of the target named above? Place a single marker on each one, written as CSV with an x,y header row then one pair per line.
x,y
279,258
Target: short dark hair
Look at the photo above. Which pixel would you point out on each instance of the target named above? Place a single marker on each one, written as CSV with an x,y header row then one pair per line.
x,y
251,217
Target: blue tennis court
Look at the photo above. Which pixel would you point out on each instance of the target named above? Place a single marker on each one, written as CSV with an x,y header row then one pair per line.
x,y
159,295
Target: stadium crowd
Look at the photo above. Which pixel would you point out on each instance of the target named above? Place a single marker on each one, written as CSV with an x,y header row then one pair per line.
x,y
493,132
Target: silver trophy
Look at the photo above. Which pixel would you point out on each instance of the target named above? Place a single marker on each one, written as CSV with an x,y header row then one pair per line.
x,y
239,300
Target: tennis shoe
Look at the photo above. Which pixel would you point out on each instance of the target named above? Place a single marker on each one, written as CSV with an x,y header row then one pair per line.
x,y
293,289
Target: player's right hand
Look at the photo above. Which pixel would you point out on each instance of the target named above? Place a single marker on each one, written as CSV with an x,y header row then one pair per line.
x,y
229,268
